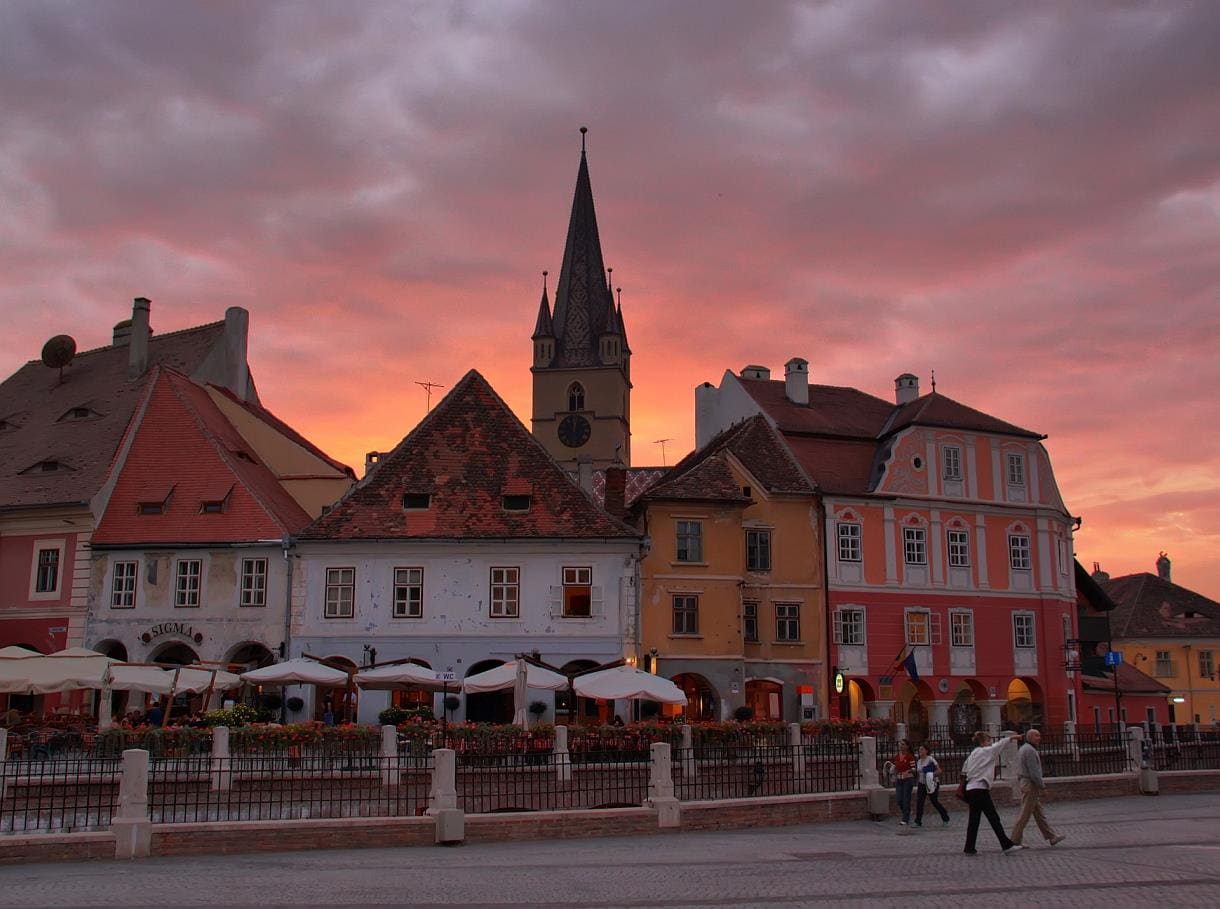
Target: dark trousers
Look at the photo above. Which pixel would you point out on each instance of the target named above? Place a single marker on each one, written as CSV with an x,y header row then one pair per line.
x,y
902,789
980,803
934,798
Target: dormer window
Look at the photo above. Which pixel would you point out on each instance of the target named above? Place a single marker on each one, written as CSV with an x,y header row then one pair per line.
x,y
151,508
153,499
213,499
416,501
48,466
516,502
212,507
78,413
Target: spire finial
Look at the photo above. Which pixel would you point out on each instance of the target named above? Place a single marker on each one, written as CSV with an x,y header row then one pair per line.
x,y
619,290
544,274
583,130
934,381
609,278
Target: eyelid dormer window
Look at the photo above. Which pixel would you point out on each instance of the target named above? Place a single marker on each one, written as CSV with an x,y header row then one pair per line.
x,y
516,502
416,501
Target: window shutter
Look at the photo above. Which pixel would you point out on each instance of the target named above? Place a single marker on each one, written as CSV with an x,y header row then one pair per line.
x,y
838,626
597,602
556,597
934,618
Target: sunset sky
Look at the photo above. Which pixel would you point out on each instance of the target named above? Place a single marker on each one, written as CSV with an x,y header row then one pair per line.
x,y
1024,197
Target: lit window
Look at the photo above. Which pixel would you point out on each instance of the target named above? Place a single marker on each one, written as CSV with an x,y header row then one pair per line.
x,y
253,582
961,629
46,579
915,545
408,593
749,622
690,541
758,550
1016,470
849,627
505,592
959,549
123,585
686,615
578,592
186,584
953,462
340,593
1023,629
788,622
918,627
1018,551
849,542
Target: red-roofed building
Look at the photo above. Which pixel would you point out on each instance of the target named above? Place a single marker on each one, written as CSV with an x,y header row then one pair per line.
x,y
465,545
946,537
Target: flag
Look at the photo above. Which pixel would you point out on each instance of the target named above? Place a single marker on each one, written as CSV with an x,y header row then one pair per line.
x,y
900,660
911,668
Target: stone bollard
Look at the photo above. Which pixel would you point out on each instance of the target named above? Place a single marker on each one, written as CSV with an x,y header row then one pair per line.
x,y
449,819
689,768
391,774
131,826
221,767
1069,736
563,759
1007,761
661,796
798,753
868,762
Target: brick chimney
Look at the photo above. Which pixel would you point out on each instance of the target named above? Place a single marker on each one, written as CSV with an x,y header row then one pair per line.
x,y
237,332
796,380
616,492
906,388
1098,575
137,358
1162,567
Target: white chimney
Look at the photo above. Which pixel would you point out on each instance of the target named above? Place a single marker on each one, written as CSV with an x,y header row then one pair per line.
x,y
796,380
137,358
237,332
906,388
756,372
584,473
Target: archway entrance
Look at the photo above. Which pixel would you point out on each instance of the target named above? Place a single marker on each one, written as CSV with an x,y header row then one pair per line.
x,y
701,701
766,698
1023,708
911,708
578,711
248,656
489,706
413,698
965,715
852,702
175,654
338,704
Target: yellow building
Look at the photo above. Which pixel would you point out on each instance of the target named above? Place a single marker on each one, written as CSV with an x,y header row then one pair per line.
x,y
1173,635
732,590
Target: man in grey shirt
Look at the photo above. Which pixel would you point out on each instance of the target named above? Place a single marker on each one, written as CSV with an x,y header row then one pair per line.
x,y
1029,778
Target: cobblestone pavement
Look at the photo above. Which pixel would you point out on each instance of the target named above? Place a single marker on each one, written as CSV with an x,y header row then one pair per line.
x,y
1133,851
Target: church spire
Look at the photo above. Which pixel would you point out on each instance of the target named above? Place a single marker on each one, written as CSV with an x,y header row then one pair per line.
x,y
543,327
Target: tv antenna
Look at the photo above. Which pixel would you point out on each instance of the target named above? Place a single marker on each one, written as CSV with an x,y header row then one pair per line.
x,y
662,442
427,387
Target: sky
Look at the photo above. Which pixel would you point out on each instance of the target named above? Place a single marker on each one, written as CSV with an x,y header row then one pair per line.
x,y
1022,197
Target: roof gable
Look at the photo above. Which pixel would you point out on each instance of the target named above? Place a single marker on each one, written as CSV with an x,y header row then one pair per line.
x,y
937,410
468,453
1147,605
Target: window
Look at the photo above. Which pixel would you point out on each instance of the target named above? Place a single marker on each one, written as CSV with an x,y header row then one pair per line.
x,y
1018,551
212,508
918,627
849,542
416,501
1164,665
788,622
340,593
408,593
505,593
961,629
1016,470
186,584
959,548
516,502
915,545
749,622
1063,555
576,396
690,541
849,627
578,592
47,575
1023,629
123,585
253,582
686,615
151,508
1207,664
953,462
758,550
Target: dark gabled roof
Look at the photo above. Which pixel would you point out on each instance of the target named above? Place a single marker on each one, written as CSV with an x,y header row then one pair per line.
x,y
1130,681
832,410
468,453
1149,606
1087,587
708,480
33,400
937,410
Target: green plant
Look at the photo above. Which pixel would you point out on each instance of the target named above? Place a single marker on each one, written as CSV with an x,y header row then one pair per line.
x,y
393,716
537,708
452,702
237,715
744,713
295,703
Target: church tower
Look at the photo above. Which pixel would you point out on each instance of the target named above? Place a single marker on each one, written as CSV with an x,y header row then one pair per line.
x,y
582,364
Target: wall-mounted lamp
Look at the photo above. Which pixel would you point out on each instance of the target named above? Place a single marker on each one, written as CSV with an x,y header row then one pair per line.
x,y
282,649
370,655
1179,700
630,661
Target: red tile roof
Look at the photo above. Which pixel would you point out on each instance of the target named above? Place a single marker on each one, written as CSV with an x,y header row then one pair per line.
x,y
639,480
33,402
1149,606
183,443
468,452
937,410
1130,681
832,410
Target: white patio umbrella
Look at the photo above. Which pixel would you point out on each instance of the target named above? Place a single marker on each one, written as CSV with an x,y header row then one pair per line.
x,y
395,676
505,676
627,682
297,672
521,696
66,670
13,652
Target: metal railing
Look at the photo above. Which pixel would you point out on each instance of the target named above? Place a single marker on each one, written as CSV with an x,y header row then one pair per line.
x,y
548,781
767,770
1084,753
1184,748
57,795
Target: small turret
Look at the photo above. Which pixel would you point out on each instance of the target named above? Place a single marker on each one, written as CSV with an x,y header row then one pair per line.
x,y
544,331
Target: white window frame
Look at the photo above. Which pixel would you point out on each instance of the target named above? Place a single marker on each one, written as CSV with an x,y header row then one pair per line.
x,y
952,457
60,546
188,583
123,576
915,545
961,620
576,579
909,626
1015,468
1062,547
690,531
689,609
1163,667
1207,664
1024,631
787,623
408,592
253,594
1019,556
958,543
504,599
339,599
850,534
846,627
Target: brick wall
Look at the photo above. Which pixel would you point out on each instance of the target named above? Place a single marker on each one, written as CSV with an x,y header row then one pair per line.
x,y
259,836
72,847
1173,781
539,825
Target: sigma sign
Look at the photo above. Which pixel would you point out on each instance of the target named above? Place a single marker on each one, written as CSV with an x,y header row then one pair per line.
x,y
176,628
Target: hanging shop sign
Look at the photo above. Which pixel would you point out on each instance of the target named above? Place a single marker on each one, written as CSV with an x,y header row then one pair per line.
x,y
175,629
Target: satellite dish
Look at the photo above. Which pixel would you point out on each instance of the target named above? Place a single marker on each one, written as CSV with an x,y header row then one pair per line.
x,y
58,353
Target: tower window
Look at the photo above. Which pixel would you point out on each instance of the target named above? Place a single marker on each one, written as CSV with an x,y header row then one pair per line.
x,y
576,396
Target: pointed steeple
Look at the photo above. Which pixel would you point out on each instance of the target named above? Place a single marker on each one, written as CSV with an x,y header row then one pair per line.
x,y
581,304
544,328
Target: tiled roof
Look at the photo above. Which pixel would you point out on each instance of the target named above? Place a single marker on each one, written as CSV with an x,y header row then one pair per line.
x,y
937,410
708,480
266,416
33,403
1149,606
1093,592
838,466
467,453
833,410
1130,681
639,480
184,444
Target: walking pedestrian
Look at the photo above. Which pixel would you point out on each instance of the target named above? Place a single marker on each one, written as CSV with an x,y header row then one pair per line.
x,y
1033,787
978,771
927,780
904,779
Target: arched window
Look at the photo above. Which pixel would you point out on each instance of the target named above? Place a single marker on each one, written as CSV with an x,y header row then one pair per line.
x,y
576,396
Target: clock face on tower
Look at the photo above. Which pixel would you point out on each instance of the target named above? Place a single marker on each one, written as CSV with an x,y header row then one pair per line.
x,y
574,430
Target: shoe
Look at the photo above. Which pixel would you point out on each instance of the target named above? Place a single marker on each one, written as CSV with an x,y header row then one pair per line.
x,y
945,822
918,824
902,823
1058,838
1013,849
970,852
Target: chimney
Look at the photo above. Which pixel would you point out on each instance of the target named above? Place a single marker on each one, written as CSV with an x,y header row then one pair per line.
x,y
1162,567
237,331
137,358
906,388
122,333
584,473
1098,575
371,460
616,492
756,372
796,380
